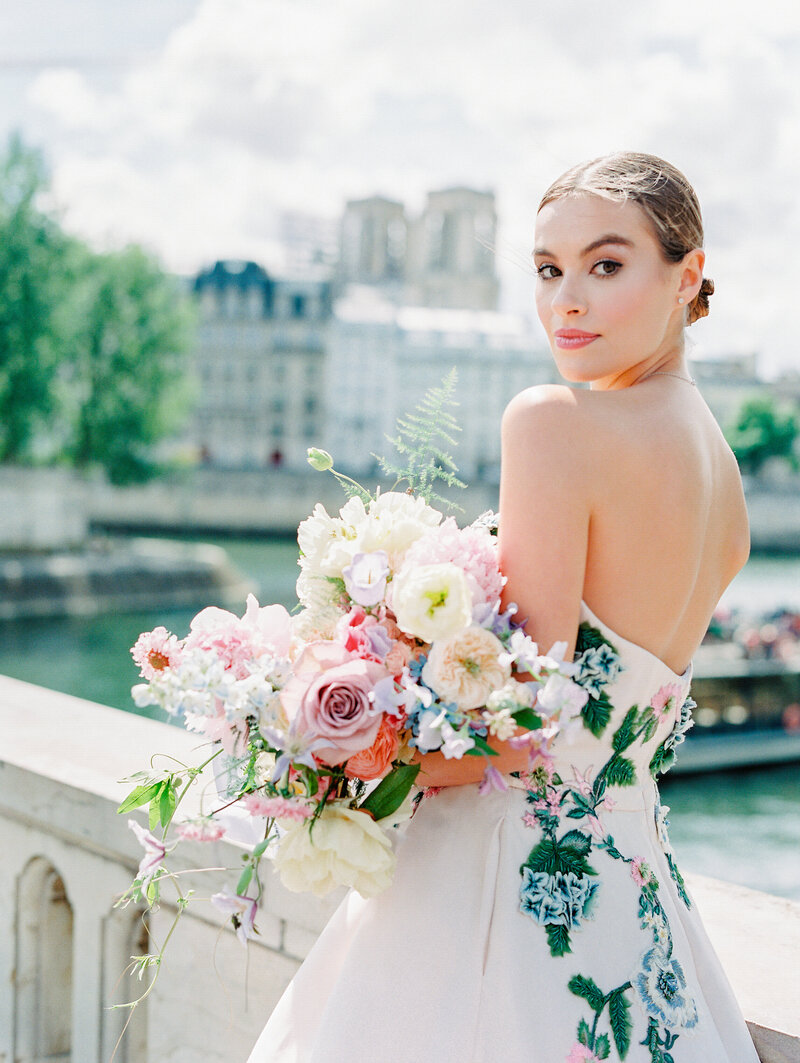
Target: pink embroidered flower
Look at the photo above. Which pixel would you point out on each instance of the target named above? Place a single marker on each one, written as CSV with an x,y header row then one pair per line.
x,y
155,651
329,696
202,829
277,807
581,1054
636,870
530,820
666,699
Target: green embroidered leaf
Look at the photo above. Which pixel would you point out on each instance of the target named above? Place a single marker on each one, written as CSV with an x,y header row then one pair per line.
x,y
650,729
589,990
577,813
662,760
596,713
620,771
577,841
583,1032
602,1046
626,732
589,638
558,940
621,1025
544,857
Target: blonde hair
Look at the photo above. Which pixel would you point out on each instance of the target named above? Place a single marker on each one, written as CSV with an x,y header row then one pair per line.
x,y
663,193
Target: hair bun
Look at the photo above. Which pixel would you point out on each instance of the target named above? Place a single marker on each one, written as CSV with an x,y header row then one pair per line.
x,y
699,305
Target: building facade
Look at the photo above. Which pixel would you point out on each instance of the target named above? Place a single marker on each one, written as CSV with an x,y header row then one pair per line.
x,y
259,362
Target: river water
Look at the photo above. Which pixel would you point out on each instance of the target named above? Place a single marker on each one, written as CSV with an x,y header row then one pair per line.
x,y
742,827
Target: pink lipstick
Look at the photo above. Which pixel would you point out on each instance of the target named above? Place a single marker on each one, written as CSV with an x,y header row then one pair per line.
x,y
573,338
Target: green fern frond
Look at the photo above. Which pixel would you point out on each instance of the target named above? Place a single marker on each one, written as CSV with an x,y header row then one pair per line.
x,y
423,439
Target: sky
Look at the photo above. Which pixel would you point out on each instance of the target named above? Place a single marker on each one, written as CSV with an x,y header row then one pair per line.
x,y
190,126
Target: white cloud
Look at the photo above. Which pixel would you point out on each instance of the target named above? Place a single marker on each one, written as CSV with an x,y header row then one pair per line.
x,y
250,107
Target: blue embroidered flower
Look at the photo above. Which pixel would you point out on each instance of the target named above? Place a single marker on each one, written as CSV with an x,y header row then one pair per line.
x,y
661,985
597,666
559,899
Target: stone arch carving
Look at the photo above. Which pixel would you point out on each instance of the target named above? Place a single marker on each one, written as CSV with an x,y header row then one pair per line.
x,y
44,965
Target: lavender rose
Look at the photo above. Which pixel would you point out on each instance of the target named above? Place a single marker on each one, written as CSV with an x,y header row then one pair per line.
x,y
329,696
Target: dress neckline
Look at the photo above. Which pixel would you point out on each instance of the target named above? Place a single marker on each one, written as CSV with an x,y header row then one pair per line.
x,y
587,614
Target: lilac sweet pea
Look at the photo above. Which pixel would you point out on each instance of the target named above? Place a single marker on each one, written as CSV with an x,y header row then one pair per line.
x,y
242,910
154,853
365,578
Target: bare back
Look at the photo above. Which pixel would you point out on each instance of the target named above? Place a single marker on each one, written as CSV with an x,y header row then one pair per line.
x,y
668,527
628,499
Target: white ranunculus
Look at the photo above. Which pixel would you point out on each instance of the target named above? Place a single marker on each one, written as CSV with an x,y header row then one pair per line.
x,y
346,848
466,668
431,601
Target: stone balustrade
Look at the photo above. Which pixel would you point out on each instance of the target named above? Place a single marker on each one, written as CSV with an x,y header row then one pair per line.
x,y
64,948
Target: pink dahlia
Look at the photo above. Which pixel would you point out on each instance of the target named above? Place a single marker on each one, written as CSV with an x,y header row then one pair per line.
x,y
155,651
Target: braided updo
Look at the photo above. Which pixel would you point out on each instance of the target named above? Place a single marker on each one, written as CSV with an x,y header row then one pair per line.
x,y
663,193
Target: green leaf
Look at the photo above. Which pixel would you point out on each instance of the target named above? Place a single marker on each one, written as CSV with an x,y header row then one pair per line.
x,y
650,729
544,857
391,791
260,849
166,804
602,1047
625,733
620,771
244,881
589,990
481,747
528,719
576,841
558,940
584,1033
621,1025
138,797
596,713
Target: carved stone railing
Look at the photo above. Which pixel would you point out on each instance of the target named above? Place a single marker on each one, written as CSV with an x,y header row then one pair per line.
x,y
63,948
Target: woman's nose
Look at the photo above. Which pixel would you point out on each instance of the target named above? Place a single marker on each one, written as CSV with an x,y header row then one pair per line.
x,y
568,299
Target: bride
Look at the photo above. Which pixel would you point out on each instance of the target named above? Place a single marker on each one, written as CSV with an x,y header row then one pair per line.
x,y
549,922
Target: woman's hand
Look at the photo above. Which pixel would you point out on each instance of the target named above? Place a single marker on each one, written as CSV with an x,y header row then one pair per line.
x,y
437,770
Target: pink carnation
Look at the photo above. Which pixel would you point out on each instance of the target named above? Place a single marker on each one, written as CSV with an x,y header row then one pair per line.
x,y
666,699
277,807
472,549
201,830
155,651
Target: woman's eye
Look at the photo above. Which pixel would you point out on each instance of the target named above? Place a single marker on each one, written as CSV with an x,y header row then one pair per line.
x,y
606,267
547,272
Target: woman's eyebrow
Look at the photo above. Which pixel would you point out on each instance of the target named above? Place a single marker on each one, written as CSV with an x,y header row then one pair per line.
x,y
601,241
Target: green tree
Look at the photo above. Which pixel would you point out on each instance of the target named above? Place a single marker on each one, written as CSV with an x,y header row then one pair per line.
x,y
91,345
32,253
126,386
761,432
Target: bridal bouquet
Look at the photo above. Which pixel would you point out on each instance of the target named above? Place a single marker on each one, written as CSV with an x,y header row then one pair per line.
x,y
313,722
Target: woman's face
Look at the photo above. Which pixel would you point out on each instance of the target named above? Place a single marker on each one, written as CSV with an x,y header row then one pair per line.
x,y
607,298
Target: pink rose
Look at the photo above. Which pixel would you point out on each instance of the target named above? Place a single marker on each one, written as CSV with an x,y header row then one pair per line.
x,y
329,696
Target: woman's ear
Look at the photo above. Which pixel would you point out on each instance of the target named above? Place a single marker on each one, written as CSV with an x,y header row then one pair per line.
x,y
691,275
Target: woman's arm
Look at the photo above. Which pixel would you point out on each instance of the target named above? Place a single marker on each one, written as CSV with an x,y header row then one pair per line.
x,y
546,490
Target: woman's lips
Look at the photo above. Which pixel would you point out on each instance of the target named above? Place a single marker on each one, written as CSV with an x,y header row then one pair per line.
x,y
571,339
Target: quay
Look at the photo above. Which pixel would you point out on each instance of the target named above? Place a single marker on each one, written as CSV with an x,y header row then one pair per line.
x,y
63,947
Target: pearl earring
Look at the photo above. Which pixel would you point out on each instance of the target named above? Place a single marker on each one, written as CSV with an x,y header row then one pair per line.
x,y
680,299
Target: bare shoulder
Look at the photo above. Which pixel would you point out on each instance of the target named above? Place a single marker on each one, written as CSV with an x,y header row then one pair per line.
x,y
551,423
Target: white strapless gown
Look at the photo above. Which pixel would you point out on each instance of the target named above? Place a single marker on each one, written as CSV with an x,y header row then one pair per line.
x,y
539,925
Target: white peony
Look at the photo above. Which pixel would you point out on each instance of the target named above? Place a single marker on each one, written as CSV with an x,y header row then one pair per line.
x,y
345,848
465,668
431,601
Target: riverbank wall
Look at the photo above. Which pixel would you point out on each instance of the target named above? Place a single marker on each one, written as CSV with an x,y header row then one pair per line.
x,y
64,947
274,501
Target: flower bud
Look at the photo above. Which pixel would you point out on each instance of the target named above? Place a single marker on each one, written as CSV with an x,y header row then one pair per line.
x,y
320,460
